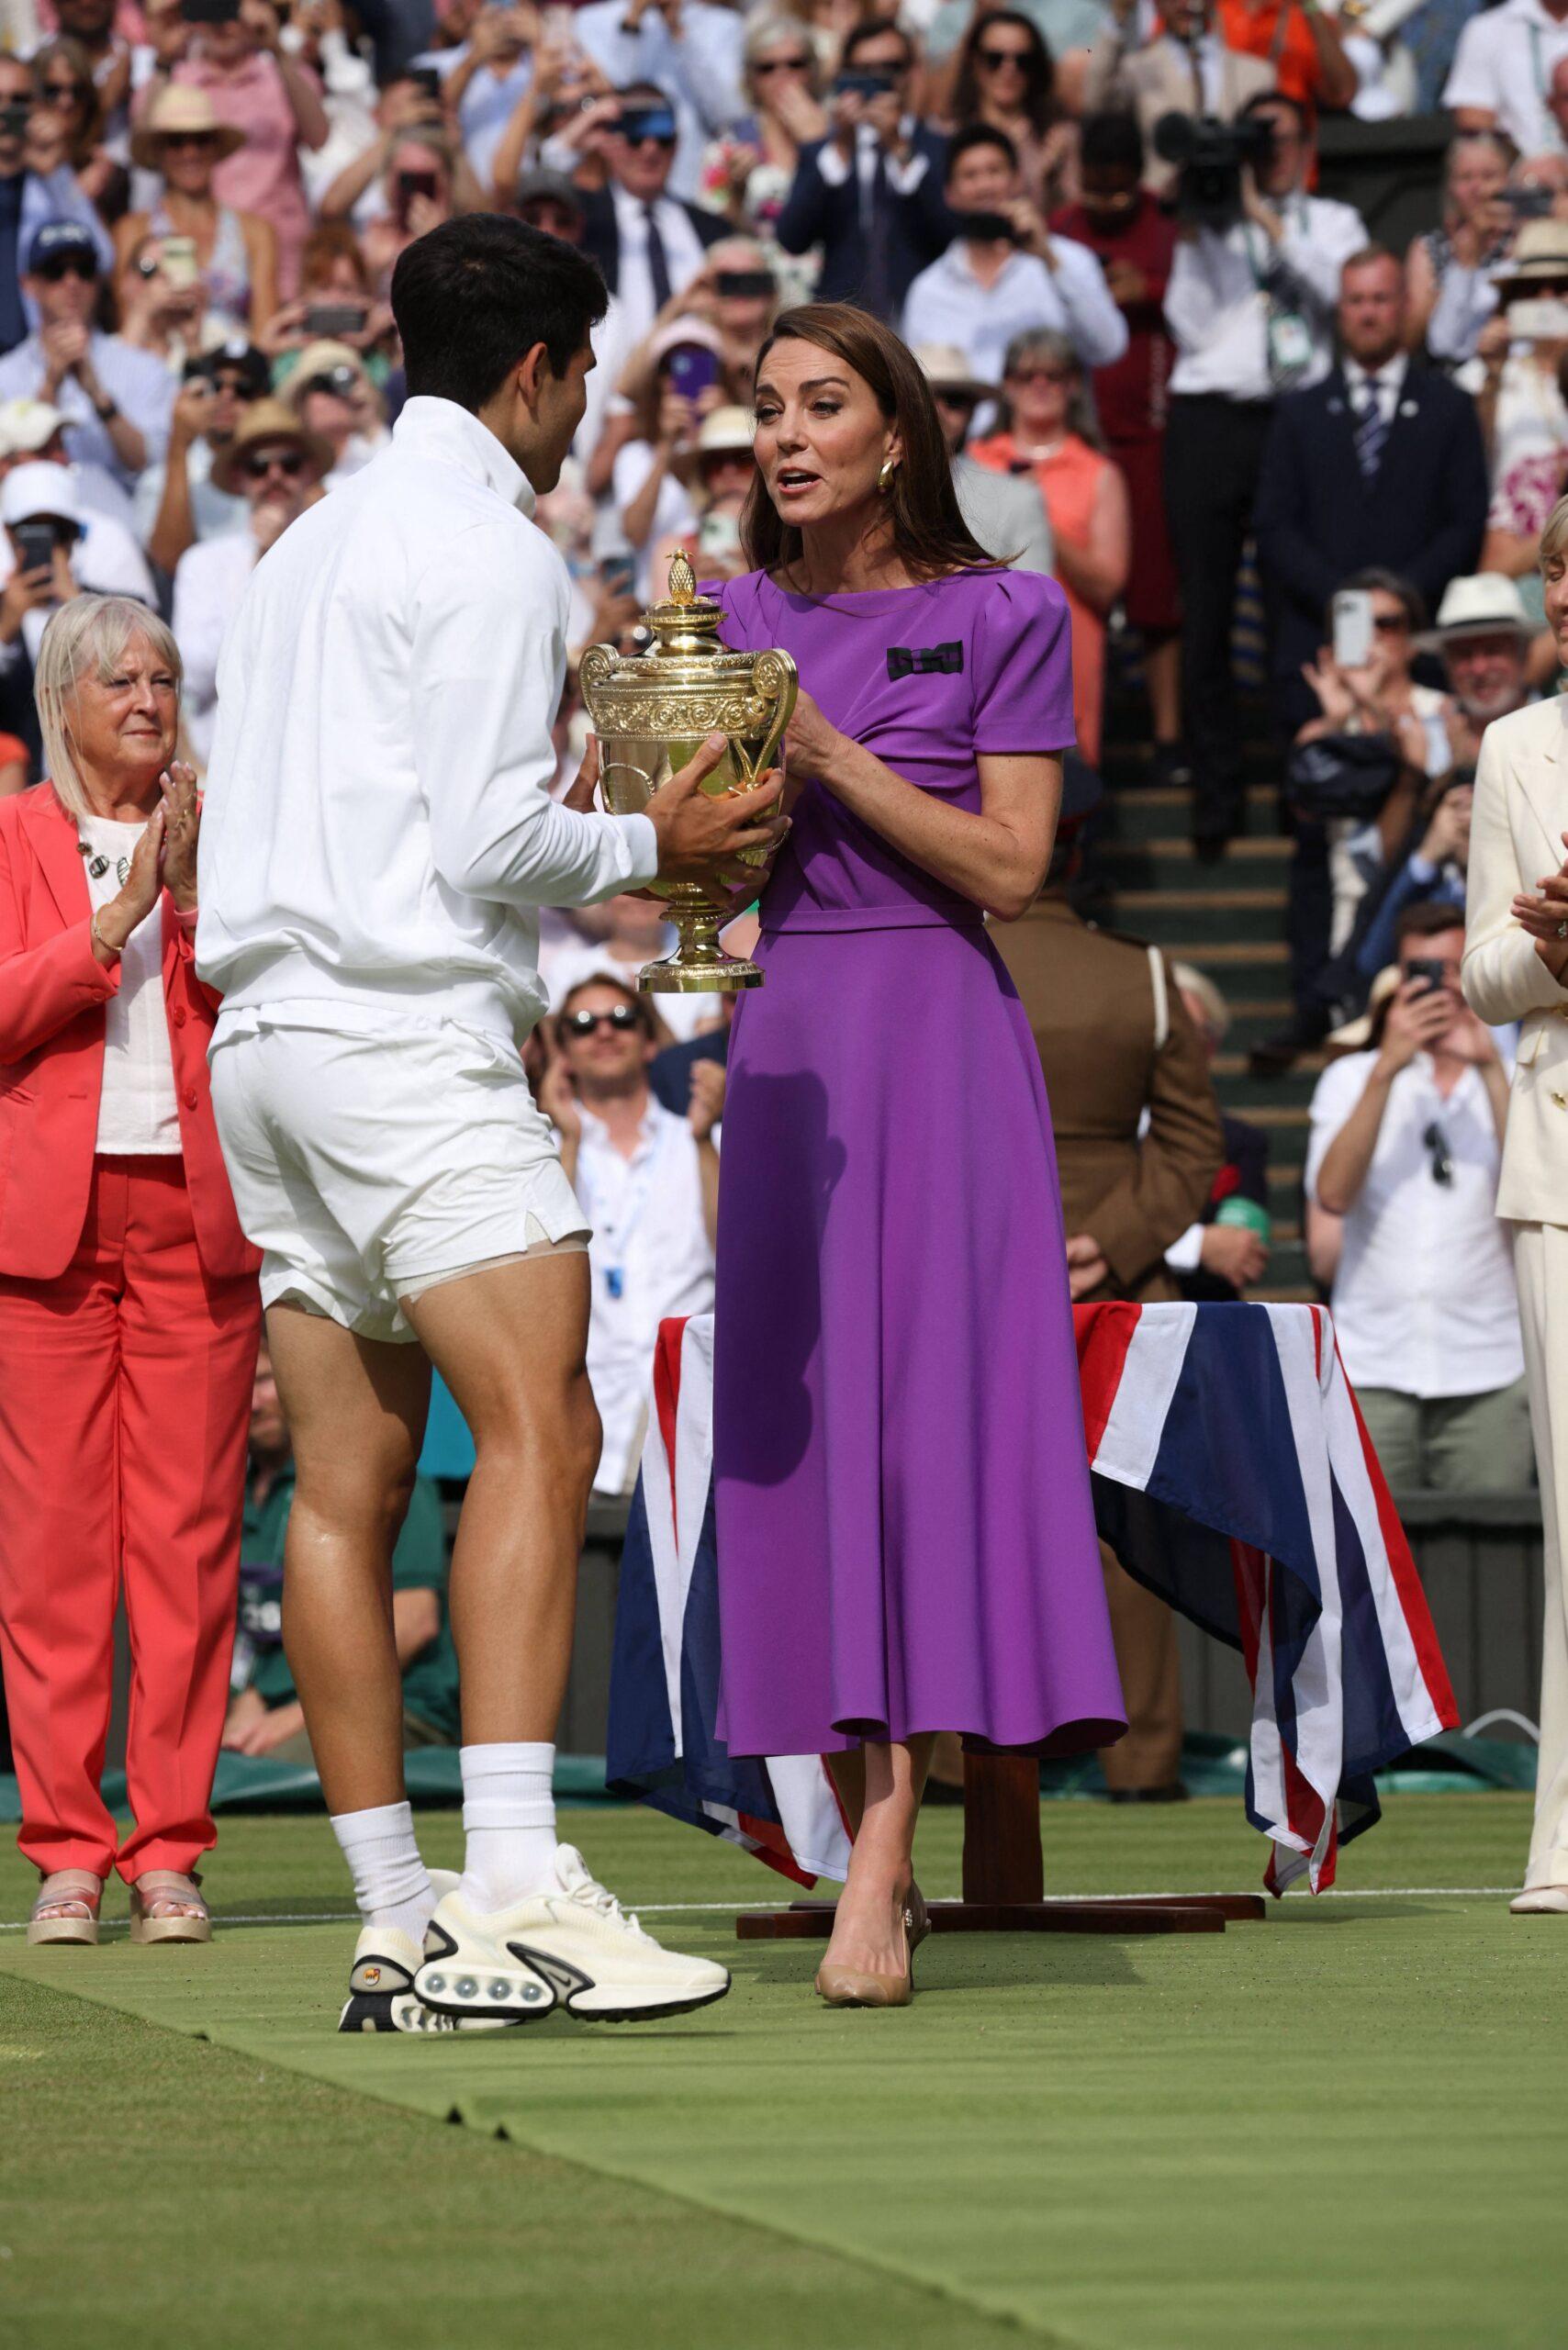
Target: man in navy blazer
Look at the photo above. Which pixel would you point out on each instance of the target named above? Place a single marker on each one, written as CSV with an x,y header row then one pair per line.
x,y
1380,464
872,193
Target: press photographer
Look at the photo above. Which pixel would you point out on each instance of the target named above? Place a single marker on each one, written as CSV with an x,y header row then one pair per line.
x,y
1250,304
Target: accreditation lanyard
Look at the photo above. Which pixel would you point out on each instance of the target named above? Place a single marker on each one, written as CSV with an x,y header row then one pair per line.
x,y
1288,338
639,1189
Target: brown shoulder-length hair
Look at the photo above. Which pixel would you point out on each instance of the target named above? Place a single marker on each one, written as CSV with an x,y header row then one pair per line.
x,y
929,531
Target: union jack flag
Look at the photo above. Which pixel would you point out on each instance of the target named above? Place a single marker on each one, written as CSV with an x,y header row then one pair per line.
x,y
1231,1473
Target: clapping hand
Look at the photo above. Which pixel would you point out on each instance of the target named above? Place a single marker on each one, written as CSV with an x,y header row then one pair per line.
x,y
181,829
1544,916
707,1099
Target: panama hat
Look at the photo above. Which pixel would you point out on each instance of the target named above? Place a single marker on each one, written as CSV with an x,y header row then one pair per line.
x,y
179,111
266,424
722,429
1540,250
946,369
1481,605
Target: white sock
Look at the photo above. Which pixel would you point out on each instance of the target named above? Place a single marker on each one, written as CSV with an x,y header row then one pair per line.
x,y
390,1881
509,1822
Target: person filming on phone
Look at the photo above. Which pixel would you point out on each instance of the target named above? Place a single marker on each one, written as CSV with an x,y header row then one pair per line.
x,y
1405,1147
115,399
378,838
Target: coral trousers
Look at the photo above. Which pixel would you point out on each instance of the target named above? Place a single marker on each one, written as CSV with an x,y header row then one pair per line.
x,y
125,1391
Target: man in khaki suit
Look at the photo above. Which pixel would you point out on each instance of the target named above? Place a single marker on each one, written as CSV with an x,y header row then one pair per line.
x,y
1515,968
1114,1041
1187,70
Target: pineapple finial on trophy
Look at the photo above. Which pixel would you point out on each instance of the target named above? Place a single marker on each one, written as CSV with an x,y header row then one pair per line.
x,y
682,579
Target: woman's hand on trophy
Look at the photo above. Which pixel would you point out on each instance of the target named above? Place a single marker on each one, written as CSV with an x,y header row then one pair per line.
x,y
811,743
700,834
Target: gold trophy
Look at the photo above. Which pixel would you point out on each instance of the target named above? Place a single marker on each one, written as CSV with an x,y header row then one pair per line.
x,y
650,713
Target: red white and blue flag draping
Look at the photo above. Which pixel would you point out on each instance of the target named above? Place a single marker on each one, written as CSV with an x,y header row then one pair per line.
x,y
1231,1473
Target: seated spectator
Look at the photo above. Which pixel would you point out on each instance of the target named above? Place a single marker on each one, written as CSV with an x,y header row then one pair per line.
x,y
33,429
1226,1252
1381,462
331,391
420,189
1302,45
115,400
648,242
1052,434
328,44
648,1181
733,299
177,502
1004,74
67,127
1502,69
277,465
28,202
566,93
748,171
663,422
408,110
1450,271
690,49
1009,277
873,246
1483,635
37,500
484,77
1432,874
1250,320
336,301
1523,415
276,102
616,939
1154,77
716,472
161,310
265,1717
101,30
234,253
1406,1147
1003,511
1134,240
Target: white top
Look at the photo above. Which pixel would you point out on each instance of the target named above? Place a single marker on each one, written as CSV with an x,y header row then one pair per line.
x,y
650,1255
378,829
1218,311
137,1111
947,303
1504,63
1424,1299
904,177
210,580
674,513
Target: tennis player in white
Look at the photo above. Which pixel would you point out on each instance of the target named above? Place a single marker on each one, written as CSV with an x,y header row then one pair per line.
x,y
376,835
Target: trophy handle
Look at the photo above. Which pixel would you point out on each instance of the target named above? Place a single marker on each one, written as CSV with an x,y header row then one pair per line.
x,y
776,675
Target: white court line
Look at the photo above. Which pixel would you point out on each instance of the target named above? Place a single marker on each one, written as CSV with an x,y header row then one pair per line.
x,y
731,1908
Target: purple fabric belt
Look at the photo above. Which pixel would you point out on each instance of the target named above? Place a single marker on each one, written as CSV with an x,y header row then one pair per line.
x,y
851,918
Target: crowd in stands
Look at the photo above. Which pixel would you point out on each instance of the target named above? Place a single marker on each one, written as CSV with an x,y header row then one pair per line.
x,y
1173,371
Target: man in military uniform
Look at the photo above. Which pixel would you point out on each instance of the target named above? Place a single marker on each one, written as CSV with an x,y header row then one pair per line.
x,y
1116,1042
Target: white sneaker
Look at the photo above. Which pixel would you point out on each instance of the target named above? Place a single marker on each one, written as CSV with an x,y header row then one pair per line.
x,y
381,1983
1539,1901
576,1945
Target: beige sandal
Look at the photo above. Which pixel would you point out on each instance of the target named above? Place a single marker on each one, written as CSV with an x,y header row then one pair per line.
x,y
67,1908
167,1907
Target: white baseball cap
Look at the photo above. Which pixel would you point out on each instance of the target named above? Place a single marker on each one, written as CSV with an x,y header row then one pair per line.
x,y
30,492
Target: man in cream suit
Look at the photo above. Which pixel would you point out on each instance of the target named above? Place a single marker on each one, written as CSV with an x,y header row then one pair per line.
x,y
1515,968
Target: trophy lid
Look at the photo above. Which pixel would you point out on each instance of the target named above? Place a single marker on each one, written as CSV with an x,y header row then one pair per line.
x,y
684,622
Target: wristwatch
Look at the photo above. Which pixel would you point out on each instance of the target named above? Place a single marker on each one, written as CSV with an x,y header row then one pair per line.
x,y
104,409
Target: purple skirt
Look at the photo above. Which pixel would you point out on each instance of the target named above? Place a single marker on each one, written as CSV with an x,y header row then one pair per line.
x,y
905,1530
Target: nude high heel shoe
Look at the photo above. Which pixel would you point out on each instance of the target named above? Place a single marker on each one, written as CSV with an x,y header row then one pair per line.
x,y
844,1986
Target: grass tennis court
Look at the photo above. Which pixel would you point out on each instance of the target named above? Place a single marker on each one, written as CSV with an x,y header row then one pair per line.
x,y
1343,2127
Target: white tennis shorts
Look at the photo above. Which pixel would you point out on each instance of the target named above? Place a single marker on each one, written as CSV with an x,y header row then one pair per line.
x,y
366,1168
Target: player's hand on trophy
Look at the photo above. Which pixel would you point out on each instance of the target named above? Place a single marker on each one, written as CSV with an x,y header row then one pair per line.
x,y
700,834
580,793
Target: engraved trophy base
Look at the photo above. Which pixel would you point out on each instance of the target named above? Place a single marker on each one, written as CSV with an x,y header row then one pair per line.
x,y
700,964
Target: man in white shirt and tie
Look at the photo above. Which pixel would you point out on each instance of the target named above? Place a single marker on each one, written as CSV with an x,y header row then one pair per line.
x,y
378,836
649,243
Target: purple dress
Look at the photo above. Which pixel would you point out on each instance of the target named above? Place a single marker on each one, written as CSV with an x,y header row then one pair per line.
x,y
905,1530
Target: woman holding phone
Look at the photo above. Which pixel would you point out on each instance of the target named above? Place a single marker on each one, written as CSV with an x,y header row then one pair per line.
x,y
232,255
273,101
906,1539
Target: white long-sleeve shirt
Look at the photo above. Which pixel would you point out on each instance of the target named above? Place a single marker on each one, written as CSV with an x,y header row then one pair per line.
x,y
1217,309
947,303
377,831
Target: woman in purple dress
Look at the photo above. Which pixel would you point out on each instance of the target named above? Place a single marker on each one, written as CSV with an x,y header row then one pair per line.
x,y
905,1534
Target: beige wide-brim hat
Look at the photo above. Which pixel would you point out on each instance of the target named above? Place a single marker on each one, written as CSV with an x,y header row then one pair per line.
x,y
722,428
946,369
177,109
1357,1034
1540,250
267,423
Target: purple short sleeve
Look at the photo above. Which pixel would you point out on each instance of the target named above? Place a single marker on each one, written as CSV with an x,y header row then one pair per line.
x,y
1023,668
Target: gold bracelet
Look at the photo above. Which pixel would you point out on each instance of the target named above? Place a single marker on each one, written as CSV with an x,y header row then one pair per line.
x,y
99,936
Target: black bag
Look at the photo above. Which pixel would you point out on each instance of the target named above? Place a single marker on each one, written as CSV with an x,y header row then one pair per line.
x,y
1342,775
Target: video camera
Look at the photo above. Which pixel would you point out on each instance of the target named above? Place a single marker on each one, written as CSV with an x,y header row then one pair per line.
x,y
1210,157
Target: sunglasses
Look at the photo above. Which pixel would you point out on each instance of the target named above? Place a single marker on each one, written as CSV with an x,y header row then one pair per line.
x,y
948,398
59,266
1390,623
781,65
997,58
1042,375
202,140
290,463
583,1023
73,92
557,220
1436,1144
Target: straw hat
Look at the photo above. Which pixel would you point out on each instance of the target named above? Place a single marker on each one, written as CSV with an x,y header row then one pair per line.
x,y
722,428
946,369
1483,605
320,359
1357,1034
1540,250
178,110
265,425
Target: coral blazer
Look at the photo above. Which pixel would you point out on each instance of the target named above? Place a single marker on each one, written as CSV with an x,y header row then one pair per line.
x,y
52,994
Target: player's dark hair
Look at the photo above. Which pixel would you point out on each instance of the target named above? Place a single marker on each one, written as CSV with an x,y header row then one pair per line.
x,y
475,295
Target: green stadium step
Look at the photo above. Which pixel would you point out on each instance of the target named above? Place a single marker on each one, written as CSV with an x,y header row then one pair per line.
x,y
1201,920
1145,812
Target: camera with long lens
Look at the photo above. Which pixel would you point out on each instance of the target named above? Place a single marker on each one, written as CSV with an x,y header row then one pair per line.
x,y
1210,157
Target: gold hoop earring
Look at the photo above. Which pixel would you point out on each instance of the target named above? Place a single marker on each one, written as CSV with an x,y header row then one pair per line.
x,y
885,478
